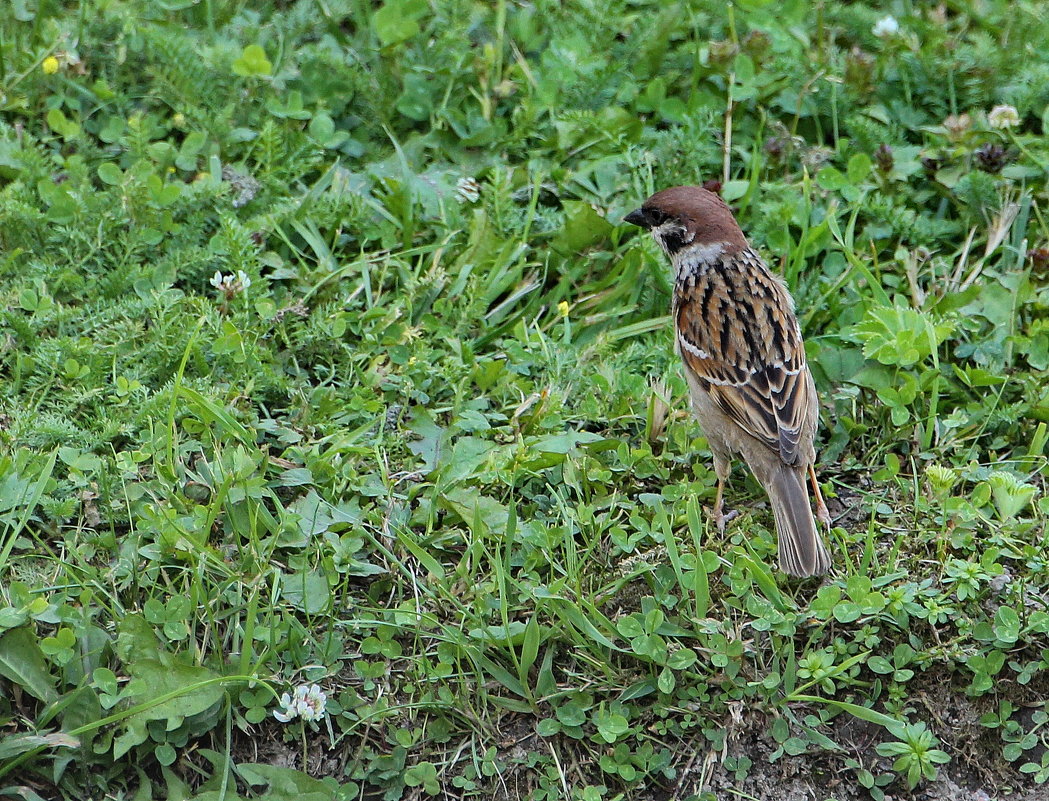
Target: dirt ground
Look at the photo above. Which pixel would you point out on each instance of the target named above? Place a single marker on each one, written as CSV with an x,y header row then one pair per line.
x,y
977,771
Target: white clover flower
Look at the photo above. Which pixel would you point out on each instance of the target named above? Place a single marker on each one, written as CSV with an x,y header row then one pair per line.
x,y
287,712
315,703
886,27
1003,116
308,702
231,284
467,190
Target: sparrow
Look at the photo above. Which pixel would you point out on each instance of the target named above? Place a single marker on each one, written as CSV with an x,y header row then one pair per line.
x,y
744,361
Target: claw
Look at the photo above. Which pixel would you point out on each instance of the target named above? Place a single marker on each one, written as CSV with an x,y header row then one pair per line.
x,y
722,519
822,514
718,513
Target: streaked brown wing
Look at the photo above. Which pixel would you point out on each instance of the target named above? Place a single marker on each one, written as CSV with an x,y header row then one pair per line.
x,y
738,335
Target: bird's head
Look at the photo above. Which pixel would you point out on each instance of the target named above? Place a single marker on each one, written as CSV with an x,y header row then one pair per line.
x,y
689,221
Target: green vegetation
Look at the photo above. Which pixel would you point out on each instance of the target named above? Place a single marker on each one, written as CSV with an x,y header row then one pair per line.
x,y
326,359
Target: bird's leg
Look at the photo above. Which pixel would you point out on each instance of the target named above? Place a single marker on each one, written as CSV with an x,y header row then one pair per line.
x,y
719,503
722,467
821,507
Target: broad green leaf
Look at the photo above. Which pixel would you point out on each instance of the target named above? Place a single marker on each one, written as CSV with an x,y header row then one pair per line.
x,y
307,591
14,744
284,782
583,228
23,664
60,124
831,178
167,691
110,173
859,168
1006,624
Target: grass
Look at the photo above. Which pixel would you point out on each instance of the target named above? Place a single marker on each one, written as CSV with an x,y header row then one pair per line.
x,y
327,360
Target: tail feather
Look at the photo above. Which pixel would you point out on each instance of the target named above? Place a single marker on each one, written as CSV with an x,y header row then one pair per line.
x,y
802,552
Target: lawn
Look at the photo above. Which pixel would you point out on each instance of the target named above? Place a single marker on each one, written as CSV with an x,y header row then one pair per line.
x,y
344,453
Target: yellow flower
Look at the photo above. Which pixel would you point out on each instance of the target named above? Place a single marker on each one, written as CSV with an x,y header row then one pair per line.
x,y
50,65
562,308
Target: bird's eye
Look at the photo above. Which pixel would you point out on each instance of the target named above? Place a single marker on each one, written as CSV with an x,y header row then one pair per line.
x,y
655,217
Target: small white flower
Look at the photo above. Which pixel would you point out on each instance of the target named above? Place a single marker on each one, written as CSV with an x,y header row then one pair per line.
x,y
308,702
314,703
1003,116
288,712
231,284
886,27
467,190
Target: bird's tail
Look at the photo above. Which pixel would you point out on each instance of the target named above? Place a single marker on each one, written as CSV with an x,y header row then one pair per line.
x,y
801,549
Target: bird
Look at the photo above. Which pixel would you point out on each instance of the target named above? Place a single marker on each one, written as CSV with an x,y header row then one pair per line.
x,y
744,361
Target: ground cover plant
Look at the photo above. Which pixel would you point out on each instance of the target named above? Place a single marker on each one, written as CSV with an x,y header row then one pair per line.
x,y
344,453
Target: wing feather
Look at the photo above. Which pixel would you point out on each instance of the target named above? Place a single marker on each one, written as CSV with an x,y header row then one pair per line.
x,y
738,335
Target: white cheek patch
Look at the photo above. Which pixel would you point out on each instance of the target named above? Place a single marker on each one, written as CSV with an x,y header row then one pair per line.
x,y
703,254
695,260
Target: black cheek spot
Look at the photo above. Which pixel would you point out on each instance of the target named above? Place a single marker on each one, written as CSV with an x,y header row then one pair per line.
x,y
673,241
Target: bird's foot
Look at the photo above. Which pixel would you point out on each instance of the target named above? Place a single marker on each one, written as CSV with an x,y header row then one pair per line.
x,y
721,518
822,514
821,507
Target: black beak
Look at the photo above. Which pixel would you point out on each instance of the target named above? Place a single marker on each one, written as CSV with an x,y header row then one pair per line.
x,y
637,217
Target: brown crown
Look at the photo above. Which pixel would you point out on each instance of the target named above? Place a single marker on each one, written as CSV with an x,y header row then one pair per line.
x,y
703,214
